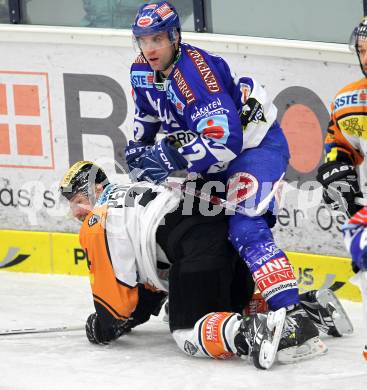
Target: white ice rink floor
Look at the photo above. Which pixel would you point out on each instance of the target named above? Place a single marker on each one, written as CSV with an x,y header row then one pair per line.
x,y
147,358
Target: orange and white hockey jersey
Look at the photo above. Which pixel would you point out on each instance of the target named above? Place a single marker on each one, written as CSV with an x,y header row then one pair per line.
x,y
119,236
346,138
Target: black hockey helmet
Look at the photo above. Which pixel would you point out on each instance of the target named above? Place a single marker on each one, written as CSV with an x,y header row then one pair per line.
x,y
82,177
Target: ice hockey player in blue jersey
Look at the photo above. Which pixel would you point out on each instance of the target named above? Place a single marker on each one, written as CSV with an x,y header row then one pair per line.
x,y
223,128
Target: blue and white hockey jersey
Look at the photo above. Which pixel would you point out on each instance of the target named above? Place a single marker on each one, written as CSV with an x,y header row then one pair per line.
x,y
210,114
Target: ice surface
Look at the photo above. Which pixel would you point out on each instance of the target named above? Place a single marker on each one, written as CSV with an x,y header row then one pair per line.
x,y
148,357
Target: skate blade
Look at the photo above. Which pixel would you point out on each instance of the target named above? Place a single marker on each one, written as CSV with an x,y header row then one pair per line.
x,y
269,348
341,319
309,349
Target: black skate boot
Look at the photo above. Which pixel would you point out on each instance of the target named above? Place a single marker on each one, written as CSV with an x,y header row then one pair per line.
x,y
326,311
258,337
300,338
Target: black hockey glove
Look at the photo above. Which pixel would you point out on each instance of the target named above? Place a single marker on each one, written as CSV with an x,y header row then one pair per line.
x,y
341,187
97,335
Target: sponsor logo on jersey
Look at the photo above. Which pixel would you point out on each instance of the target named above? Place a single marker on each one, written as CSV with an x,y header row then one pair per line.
x,y
241,186
214,127
363,96
205,72
212,108
142,79
144,21
253,112
354,125
183,86
140,60
347,99
171,95
93,220
164,11
182,137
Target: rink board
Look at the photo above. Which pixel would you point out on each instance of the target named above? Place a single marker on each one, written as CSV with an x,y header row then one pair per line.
x,y
60,253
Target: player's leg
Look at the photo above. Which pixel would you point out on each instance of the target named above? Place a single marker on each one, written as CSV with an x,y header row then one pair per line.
x,y
204,265
251,182
221,335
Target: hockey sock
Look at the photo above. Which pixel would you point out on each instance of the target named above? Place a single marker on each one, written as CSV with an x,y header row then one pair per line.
x,y
212,336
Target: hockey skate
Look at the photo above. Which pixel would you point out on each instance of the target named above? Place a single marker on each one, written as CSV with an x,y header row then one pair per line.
x,y
258,337
326,311
300,338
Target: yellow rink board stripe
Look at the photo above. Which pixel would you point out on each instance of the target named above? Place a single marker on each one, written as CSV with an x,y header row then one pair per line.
x,y
60,253
25,251
67,255
315,271
42,252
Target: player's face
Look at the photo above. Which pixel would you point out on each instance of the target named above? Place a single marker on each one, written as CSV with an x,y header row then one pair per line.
x,y
80,206
362,53
158,50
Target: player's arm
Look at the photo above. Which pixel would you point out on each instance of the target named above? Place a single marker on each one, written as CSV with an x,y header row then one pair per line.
x,y
213,143
105,325
338,174
145,127
146,123
217,139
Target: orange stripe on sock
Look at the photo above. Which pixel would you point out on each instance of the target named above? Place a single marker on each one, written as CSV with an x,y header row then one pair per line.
x,y
212,335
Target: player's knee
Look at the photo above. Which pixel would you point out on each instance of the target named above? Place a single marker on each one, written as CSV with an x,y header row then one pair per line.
x,y
243,231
